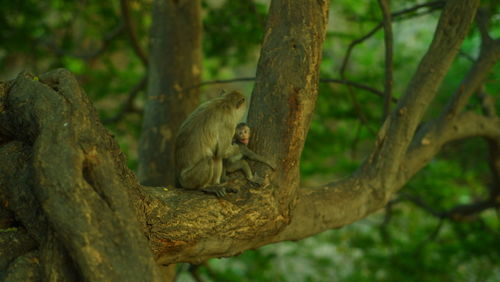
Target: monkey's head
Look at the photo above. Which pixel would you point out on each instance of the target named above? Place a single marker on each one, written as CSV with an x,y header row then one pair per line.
x,y
242,133
236,101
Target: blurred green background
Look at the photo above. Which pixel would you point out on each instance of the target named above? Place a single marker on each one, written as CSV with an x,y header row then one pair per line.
x,y
408,241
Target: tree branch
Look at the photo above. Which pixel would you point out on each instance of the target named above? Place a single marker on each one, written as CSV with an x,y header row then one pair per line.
x,y
290,58
322,80
489,55
128,104
431,5
398,130
457,213
388,39
124,5
86,55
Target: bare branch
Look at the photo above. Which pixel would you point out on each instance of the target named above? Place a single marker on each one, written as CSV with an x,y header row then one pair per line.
x,y
398,131
457,213
429,143
488,57
219,81
322,80
128,104
357,85
388,39
482,19
86,55
431,5
124,5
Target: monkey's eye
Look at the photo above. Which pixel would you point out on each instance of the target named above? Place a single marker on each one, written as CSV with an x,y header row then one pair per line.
x,y
240,102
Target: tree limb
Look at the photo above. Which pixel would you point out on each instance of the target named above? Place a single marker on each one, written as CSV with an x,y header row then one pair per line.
x,y
388,39
86,55
124,5
321,80
489,55
128,104
398,130
432,5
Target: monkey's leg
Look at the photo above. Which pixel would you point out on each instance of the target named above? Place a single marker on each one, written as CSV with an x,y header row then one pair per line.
x,y
198,175
217,168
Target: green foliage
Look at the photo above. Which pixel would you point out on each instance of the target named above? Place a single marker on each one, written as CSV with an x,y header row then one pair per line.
x,y
232,30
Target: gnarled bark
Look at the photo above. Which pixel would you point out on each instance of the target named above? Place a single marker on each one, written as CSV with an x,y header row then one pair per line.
x,y
71,173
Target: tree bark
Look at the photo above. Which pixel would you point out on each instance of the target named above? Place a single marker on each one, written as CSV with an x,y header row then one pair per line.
x,y
174,67
67,181
286,86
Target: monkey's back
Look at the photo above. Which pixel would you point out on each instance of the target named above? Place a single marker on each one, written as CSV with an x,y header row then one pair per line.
x,y
198,135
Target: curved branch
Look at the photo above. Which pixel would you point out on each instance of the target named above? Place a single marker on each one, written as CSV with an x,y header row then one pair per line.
x,y
398,130
86,55
388,39
321,80
431,5
128,104
124,5
488,57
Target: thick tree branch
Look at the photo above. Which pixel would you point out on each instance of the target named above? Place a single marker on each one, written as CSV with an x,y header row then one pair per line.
x,y
465,125
488,57
280,112
398,130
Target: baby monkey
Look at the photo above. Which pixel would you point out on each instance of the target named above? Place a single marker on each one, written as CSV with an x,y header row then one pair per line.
x,y
237,161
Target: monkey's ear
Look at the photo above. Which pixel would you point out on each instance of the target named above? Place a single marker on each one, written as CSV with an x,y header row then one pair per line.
x,y
222,92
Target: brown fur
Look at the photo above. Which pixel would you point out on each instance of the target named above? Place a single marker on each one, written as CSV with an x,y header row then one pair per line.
x,y
204,139
238,161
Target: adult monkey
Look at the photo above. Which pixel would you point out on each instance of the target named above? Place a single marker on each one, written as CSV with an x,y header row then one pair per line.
x,y
204,139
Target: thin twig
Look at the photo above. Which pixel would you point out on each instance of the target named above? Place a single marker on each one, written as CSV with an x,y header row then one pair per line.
x,y
322,80
457,213
128,104
357,85
431,5
88,55
131,32
388,39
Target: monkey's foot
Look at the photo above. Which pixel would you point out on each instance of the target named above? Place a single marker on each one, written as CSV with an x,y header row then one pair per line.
x,y
219,191
257,180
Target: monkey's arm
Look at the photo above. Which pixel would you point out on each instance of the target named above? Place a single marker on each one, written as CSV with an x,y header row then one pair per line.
x,y
256,157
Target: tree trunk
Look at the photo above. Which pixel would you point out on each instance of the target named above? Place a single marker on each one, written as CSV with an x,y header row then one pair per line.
x,y
286,86
174,68
64,177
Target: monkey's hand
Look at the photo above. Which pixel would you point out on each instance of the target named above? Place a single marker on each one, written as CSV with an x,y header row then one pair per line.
x,y
219,191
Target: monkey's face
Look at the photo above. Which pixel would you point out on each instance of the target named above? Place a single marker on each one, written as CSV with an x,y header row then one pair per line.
x,y
243,134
